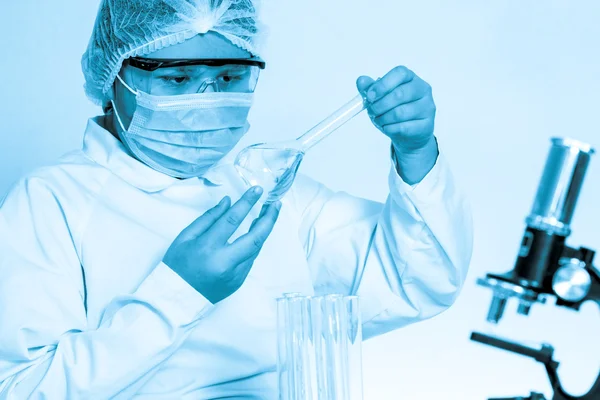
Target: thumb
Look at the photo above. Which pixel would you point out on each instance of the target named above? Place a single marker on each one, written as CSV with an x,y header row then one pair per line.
x,y
363,83
205,221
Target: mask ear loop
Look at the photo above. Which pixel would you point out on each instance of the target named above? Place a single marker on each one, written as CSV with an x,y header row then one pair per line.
x,y
118,117
126,85
115,107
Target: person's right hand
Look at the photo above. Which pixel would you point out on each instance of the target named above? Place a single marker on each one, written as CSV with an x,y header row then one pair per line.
x,y
202,256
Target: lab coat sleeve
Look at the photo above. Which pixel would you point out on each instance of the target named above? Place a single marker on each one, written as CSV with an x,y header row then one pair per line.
x,y
47,349
407,259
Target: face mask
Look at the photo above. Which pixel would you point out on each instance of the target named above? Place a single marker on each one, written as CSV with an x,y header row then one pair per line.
x,y
183,136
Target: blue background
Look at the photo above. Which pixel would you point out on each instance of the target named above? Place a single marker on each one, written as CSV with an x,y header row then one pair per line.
x,y
507,76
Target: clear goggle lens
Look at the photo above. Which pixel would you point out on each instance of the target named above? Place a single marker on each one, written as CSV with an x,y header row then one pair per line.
x,y
190,79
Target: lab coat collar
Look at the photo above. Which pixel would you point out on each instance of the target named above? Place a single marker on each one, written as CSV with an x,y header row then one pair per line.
x,y
104,149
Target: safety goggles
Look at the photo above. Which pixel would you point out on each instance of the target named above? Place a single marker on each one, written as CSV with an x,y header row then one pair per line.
x,y
168,77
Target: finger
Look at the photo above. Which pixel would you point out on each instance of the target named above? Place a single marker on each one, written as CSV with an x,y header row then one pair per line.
x,y
363,83
405,93
257,218
263,210
420,109
391,80
420,127
228,223
249,244
206,220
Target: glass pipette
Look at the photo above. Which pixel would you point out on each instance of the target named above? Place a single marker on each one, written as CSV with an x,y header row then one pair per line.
x,y
273,166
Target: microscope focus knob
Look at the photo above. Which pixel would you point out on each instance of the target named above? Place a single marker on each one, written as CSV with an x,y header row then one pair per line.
x,y
572,281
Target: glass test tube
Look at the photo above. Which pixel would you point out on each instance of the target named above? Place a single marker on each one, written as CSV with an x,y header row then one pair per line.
x,y
354,347
334,340
297,346
320,323
283,357
285,353
331,123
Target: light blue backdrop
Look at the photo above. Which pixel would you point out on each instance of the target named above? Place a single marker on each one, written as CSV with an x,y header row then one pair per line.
x,y
507,76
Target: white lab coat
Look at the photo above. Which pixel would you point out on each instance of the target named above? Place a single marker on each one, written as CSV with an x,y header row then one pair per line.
x,y
89,311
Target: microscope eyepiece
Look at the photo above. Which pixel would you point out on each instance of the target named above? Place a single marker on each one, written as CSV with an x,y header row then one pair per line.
x,y
560,185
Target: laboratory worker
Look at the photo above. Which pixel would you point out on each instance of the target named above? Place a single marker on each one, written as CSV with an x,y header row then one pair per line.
x,y
141,265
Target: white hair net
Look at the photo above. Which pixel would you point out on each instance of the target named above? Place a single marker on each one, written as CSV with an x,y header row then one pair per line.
x,y
129,28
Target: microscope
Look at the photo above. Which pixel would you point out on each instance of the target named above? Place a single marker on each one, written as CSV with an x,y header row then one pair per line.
x,y
546,266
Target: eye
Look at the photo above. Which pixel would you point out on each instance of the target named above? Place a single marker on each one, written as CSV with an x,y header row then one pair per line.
x,y
175,80
227,78
232,77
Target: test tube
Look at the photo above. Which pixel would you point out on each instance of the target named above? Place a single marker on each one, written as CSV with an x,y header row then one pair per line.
x,y
295,348
287,328
309,384
331,123
335,347
319,323
283,357
354,347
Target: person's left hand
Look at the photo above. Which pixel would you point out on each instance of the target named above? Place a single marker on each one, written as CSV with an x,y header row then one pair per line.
x,y
401,106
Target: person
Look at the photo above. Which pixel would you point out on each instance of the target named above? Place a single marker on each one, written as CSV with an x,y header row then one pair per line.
x,y
141,266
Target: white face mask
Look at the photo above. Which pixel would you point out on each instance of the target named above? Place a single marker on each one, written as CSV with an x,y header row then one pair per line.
x,y
183,136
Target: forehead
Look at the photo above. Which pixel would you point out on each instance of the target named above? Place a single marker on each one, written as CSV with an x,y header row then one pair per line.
x,y
208,45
